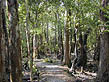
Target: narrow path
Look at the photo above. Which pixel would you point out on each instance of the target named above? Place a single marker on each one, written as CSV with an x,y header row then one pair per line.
x,y
53,72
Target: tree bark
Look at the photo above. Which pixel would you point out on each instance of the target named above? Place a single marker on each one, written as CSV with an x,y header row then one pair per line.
x,y
1,36
5,43
82,58
71,43
103,72
47,37
60,39
29,46
35,37
67,59
62,47
27,30
15,47
55,40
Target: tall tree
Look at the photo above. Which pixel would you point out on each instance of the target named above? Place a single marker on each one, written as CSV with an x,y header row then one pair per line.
x,y
27,29
3,52
67,58
1,46
6,42
15,43
47,36
28,38
103,72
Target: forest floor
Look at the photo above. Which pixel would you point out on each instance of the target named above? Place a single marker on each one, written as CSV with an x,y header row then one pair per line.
x,y
55,72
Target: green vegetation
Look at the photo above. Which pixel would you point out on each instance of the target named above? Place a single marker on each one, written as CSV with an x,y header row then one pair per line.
x,y
73,32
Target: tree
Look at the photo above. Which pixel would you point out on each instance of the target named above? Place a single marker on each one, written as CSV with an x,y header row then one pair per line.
x,y
15,43
103,72
1,46
67,58
5,42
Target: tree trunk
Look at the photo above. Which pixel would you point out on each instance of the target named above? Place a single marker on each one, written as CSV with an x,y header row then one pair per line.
x,y
27,29
56,35
15,51
6,43
82,58
1,46
96,57
34,45
103,72
62,47
35,50
55,40
67,59
59,32
47,37
31,61
29,46
71,43
60,42
75,50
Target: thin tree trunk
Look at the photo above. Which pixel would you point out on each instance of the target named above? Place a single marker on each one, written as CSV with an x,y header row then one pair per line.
x,y
59,31
67,59
71,34
59,54
47,37
1,36
56,35
71,43
75,50
27,29
55,41
62,47
35,38
33,50
34,45
31,61
30,55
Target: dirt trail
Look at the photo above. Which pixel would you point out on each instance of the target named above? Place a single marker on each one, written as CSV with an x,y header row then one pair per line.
x,y
53,72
